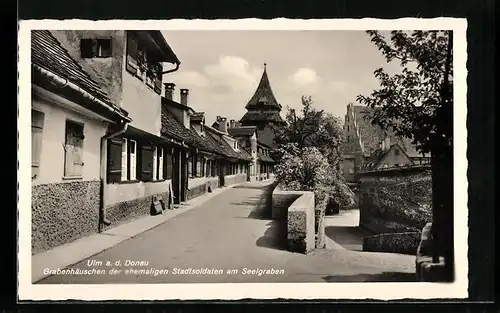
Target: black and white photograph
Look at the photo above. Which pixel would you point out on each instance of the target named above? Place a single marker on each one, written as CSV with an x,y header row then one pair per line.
x,y
180,162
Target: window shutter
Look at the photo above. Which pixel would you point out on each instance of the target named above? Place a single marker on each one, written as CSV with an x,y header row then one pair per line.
x,y
114,160
124,160
155,163
147,163
87,48
37,122
132,56
73,149
168,166
160,163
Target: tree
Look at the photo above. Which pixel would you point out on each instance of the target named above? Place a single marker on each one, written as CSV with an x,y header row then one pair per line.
x,y
418,104
312,128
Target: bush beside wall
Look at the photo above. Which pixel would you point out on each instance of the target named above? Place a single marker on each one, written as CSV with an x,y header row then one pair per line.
x,y
404,243
400,198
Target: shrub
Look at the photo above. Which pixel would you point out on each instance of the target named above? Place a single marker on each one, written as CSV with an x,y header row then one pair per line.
x,y
307,171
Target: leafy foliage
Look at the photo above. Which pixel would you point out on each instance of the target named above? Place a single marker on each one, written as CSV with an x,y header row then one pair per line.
x,y
416,103
307,171
309,150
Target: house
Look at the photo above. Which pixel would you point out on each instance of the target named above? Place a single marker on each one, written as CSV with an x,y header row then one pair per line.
x,y
206,158
136,163
70,118
364,141
387,156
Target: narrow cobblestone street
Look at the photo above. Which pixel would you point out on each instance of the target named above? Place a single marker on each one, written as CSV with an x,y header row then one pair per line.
x,y
229,232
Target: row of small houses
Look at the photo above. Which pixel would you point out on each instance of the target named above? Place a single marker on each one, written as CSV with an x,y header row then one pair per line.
x,y
110,143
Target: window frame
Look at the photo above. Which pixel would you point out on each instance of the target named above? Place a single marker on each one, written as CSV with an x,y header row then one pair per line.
x,y
97,52
72,171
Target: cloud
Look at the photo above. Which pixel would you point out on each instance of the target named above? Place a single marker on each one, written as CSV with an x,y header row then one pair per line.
x,y
305,76
220,88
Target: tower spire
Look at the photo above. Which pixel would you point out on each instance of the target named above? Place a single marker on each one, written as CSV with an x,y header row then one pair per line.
x,y
265,66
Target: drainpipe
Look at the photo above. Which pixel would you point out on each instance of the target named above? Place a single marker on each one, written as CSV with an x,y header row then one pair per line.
x,y
104,168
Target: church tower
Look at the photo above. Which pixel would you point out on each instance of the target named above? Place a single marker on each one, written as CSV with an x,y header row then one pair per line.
x,y
263,111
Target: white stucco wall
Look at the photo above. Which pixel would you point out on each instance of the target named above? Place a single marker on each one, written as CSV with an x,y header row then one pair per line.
x,y
142,104
54,134
116,193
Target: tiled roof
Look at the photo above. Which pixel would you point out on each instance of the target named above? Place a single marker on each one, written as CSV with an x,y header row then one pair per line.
x,y
264,158
242,131
206,142
225,147
171,127
263,96
48,54
256,116
266,137
371,135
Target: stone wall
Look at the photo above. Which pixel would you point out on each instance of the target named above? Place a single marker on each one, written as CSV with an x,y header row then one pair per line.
x,y
395,200
63,212
301,235
125,211
235,179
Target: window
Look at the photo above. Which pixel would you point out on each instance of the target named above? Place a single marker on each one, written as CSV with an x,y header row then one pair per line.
x,y
347,127
73,148
95,48
190,167
198,167
128,159
396,165
157,163
351,171
143,65
37,122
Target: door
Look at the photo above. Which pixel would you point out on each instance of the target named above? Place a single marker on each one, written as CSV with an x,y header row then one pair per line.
x,y
184,176
221,173
176,177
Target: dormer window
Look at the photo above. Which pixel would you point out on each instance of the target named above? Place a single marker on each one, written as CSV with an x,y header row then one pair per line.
x,y
95,48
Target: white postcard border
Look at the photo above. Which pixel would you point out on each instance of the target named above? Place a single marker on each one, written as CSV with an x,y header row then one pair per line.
x,y
381,291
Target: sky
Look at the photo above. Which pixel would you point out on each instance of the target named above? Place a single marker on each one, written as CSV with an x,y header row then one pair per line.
x,y
222,69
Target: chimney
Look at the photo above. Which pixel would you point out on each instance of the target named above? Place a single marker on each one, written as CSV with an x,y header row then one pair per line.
x,y
184,96
232,124
169,90
222,124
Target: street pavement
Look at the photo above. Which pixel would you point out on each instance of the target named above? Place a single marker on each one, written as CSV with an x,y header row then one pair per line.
x,y
228,239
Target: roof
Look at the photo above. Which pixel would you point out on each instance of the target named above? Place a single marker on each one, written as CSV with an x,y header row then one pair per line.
x,y
264,158
160,43
224,147
265,136
243,131
172,127
371,135
48,54
263,96
257,116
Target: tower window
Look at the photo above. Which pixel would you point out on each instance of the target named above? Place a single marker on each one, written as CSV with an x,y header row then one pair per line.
x,y
95,48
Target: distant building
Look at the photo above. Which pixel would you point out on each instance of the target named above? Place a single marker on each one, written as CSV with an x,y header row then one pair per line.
x,y
367,146
263,111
